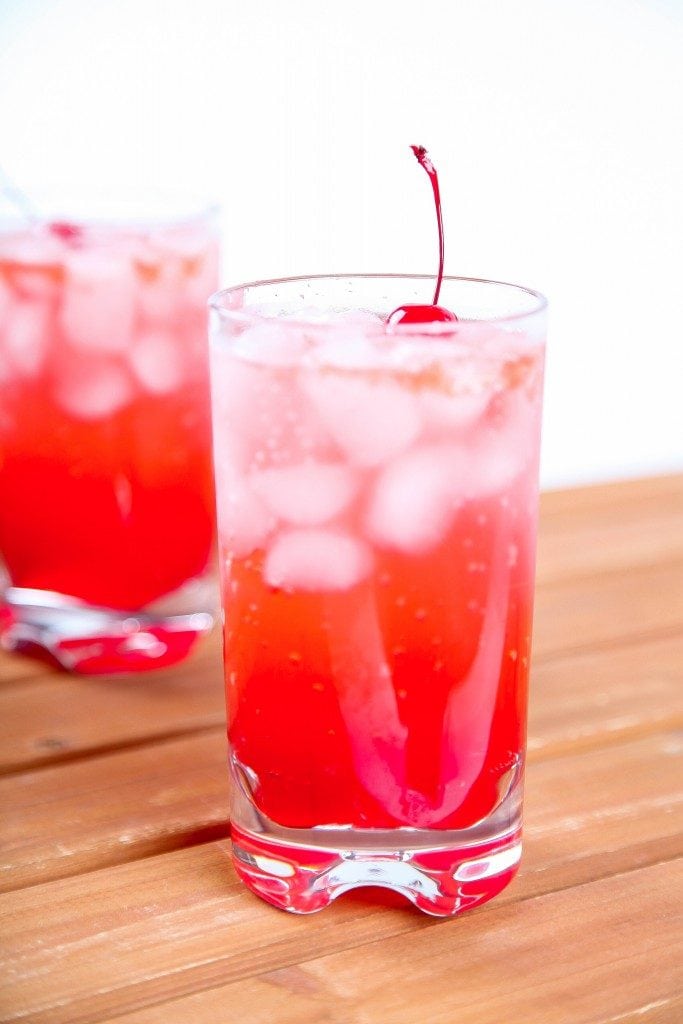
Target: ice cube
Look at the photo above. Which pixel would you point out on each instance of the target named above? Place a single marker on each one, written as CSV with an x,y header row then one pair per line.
x,y
231,451
158,299
98,310
493,470
156,359
5,300
504,446
202,277
263,405
307,494
347,351
159,284
275,344
416,499
244,523
495,462
370,420
235,387
36,284
26,333
29,251
92,389
444,413
317,560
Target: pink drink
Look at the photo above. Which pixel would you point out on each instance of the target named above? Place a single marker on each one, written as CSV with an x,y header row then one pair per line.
x,y
105,472
377,519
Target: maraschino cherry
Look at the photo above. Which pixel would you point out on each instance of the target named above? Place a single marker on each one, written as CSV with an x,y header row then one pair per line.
x,y
416,314
66,231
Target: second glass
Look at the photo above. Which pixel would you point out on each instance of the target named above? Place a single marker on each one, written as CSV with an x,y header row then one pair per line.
x,y
377,497
107,506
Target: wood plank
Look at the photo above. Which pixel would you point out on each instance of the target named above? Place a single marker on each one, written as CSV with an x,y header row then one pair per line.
x,y
649,492
290,996
588,932
96,946
82,949
15,669
59,717
112,809
608,695
158,928
131,804
617,945
617,959
51,717
499,969
603,811
576,538
579,614
136,802
20,668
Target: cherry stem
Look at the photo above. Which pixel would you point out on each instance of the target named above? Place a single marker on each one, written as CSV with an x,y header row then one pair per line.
x,y
424,160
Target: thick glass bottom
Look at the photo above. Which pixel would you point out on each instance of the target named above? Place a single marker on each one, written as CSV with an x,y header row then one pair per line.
x,y
440,877
441,871
92,640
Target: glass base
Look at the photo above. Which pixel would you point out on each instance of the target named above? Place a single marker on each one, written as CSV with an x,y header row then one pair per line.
x,y
93,640
436,874
441,871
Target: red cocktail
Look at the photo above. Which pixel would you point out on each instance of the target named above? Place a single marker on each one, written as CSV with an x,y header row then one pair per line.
x,y
106,516
377,495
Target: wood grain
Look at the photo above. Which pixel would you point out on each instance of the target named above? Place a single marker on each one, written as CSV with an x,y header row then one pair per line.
x,y
647,495
114,808
608,609
615,526
187,922
90,955
126,906
58,717
578,701
120,807
489,967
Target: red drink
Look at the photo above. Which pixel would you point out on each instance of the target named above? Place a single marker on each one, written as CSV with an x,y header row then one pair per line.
x,y
105,469
377,512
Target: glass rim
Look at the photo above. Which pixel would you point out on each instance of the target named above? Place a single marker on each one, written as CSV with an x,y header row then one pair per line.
x,y
216,302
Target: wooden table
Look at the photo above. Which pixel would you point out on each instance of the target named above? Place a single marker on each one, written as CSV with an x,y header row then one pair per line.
x,y
121,904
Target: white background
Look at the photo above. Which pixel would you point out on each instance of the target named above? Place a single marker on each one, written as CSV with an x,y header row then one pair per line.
x,y
556,126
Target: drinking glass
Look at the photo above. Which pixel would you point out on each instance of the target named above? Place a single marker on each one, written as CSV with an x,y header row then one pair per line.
x,y
377,497
106,493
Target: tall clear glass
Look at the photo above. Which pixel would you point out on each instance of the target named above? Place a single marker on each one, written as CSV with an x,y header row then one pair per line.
x,y
106,492
377,497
